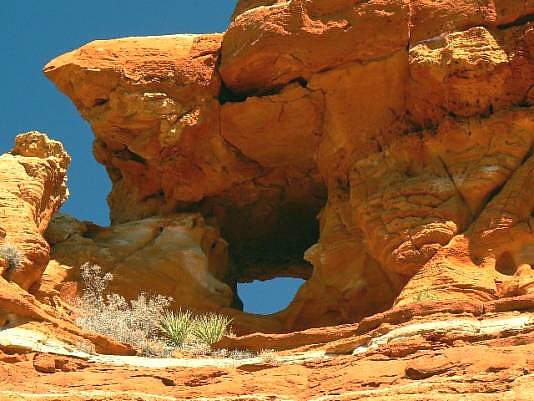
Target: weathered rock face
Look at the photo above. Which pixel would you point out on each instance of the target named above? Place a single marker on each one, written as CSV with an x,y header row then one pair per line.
x,y
407,124
169,145
178,256
426,351
407,127
32,188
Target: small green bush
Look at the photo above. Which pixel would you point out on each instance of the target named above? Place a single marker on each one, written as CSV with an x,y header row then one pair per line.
x,y
12,255
211,327
177,326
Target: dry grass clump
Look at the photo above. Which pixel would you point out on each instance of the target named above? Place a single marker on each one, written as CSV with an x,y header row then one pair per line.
x,y
140,322
135,322
268,356
233,354
12,255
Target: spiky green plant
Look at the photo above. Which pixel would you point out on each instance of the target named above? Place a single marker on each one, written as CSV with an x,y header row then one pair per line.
x,y
211,327
12,255
177,326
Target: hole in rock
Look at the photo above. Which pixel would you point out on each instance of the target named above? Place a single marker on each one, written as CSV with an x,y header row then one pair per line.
x,y
266,297
269,228
100,102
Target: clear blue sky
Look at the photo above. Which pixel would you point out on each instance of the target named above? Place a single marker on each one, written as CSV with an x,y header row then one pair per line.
x,y
35,31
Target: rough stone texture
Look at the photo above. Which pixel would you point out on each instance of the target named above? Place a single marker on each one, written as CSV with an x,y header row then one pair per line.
x,y
469,73
274,45
406,126
168,144
32,188
55,322
151,103
177,256
430,351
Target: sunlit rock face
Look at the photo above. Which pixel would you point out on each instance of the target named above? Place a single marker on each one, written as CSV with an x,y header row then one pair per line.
x,y
178,256
168,144
32,188
388,144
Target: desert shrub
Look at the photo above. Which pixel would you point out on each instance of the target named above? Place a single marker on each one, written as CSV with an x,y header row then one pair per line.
x,y
268,356
233,354
141,321
210,327
135,322
85,346
177,326
12,255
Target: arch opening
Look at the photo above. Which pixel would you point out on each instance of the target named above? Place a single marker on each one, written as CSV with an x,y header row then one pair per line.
x,y
269,296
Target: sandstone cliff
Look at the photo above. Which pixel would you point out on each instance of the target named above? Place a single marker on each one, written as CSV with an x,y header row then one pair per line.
x,y
405,125
381,150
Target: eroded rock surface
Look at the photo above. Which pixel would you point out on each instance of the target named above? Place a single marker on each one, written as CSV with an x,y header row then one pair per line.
x,y
32,188
380,149
177,256
428,350
408,125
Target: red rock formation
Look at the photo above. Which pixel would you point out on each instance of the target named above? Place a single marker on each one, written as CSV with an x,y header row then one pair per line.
x,y
179,256
406,126
33,187
414,116
433,351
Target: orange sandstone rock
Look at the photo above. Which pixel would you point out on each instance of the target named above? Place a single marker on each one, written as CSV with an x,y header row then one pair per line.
x,y
468,73
176,256
269,129
151,102
270,46
32,188
435,356
407,126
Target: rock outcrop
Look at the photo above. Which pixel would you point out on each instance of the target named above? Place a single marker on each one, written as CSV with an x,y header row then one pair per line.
x,y
425,351
408,125
382,150
178,256
32,188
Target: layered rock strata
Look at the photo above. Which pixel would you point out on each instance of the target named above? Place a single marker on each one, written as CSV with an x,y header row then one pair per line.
x,y
432,351
380,149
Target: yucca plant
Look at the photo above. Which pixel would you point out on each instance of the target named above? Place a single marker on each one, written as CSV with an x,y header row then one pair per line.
x,y
211,327
177,326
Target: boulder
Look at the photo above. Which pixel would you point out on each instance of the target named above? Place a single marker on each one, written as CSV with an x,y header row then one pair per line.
x,y
177,256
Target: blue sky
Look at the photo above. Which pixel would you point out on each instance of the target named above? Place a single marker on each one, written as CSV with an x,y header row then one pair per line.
x,y
36,31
